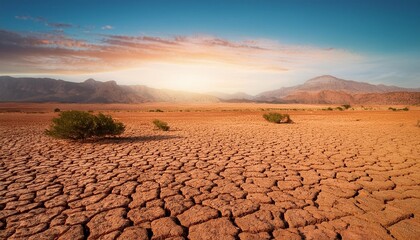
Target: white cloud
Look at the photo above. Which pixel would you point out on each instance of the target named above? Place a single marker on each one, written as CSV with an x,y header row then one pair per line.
x,y
107,27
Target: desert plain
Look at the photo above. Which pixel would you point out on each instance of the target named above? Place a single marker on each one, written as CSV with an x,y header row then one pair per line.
x,y
221,172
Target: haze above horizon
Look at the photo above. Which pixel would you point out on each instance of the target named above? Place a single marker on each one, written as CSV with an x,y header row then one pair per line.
x,y
202,46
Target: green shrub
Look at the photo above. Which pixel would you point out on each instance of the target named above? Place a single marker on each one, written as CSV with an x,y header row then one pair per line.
x,y
81,125
277,118
161,125
57,110
105,125
340,108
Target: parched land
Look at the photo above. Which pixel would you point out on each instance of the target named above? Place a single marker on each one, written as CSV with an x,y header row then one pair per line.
x,y
222,172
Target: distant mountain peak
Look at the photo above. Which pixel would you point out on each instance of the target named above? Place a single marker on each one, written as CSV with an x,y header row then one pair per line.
x,y
90,81
330,89
324,79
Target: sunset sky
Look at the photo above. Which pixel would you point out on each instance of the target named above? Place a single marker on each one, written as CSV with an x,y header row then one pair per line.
x,y
224,46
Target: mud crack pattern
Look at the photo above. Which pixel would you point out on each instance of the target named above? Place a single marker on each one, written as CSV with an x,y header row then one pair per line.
x,y
222,176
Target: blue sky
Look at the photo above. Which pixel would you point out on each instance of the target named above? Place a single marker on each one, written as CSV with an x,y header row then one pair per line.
x,y
373,41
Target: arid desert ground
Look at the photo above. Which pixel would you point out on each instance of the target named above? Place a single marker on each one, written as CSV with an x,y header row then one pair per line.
x,y
221,172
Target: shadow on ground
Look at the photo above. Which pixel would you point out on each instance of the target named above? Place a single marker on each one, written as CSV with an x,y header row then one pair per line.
x,y
132,139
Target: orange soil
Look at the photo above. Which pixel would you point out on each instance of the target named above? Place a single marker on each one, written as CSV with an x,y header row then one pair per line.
x,y
222,172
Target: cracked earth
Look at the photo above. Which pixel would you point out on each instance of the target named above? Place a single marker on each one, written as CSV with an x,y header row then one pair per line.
x,y
215,175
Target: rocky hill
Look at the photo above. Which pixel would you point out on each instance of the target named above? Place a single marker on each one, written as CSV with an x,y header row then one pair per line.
x,y
90,91
331,90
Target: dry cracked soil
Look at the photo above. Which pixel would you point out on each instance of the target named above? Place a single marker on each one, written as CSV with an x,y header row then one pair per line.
x,y
218,174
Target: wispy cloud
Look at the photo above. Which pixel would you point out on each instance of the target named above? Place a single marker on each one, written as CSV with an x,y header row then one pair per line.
x,y
25,17
44,21
107,27
59,53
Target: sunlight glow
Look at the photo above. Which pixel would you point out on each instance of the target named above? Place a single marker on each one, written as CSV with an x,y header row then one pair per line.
x,y
202,77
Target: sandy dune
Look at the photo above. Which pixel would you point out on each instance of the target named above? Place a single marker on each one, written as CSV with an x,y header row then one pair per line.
x,y
222,172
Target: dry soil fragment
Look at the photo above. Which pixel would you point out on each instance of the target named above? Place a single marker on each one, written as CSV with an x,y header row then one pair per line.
x,y
165,228
134,233
405,229
197,214
75,233
253,236
109,202
145,214
215,229
106,222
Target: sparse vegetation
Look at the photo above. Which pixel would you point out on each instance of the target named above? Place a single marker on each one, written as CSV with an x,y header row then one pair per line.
x,y
398,109
161,125
277,118
156,110
57,110
346,106
341,108
81,125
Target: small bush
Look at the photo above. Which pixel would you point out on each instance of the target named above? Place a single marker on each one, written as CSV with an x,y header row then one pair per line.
x,y
161,125
398,109
82,125
340,108
105,125
277,118
346,106
156,110
57,110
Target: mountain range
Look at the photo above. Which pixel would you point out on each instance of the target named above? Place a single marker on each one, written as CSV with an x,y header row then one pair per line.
x,y
90,91
331,90
320,90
